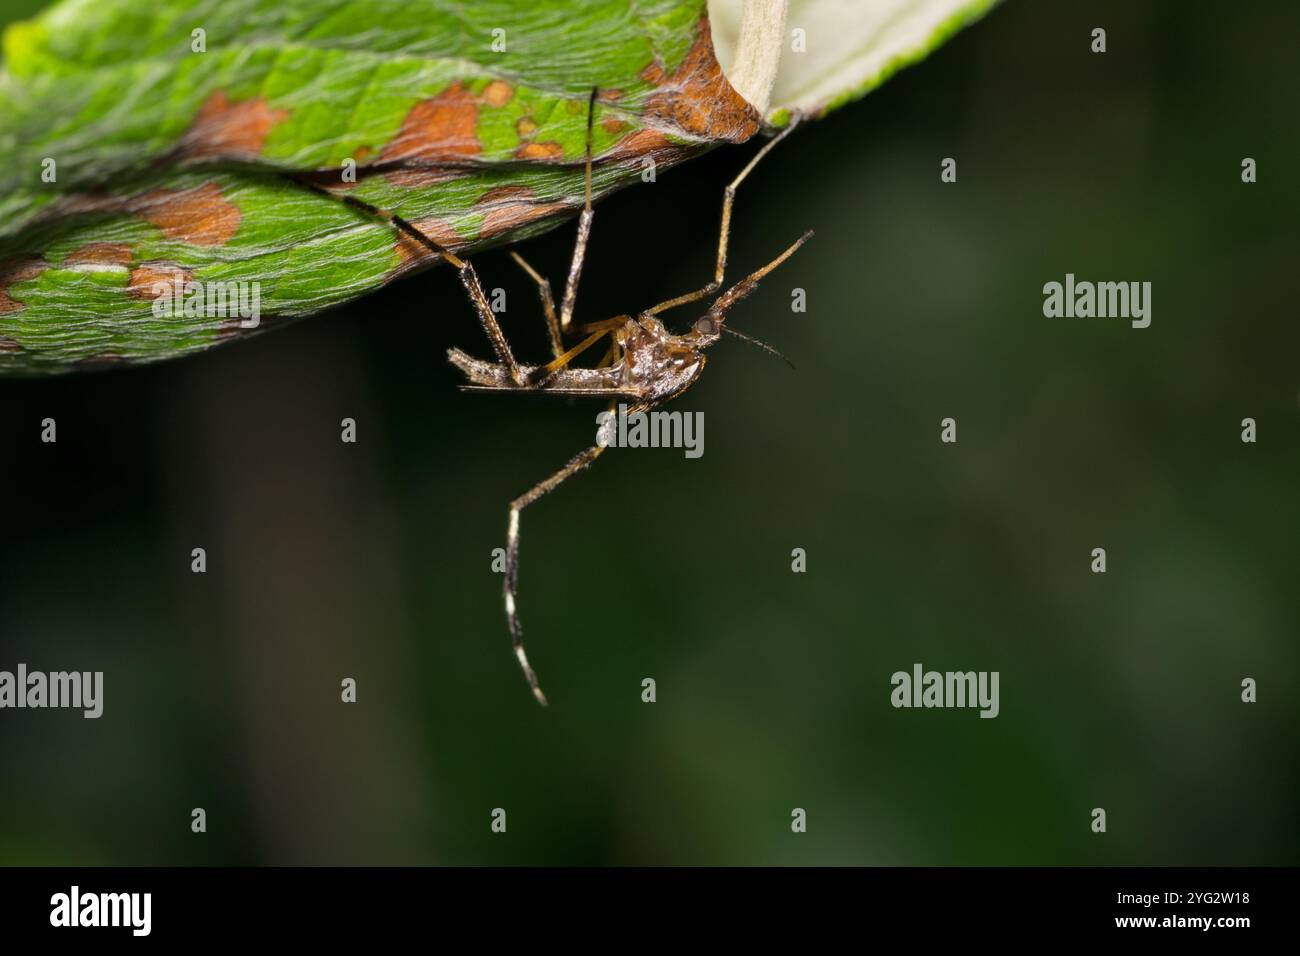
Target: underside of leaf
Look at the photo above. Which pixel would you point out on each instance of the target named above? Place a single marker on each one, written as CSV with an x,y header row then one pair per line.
x,y
157,159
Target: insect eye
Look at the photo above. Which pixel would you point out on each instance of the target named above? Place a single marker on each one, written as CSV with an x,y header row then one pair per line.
x,y
706,326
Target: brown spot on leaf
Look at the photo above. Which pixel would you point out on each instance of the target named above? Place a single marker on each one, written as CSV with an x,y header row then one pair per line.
x,y
508,207
653,73
201,216
643,143
612,125
413,178
100,253
504,194
540,152
439,129
609,96
497,93
9,345
411,252
697,99
222,129
149,280
17,270
525,126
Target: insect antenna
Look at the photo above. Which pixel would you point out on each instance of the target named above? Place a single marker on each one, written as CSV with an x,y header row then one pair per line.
x,y
759,342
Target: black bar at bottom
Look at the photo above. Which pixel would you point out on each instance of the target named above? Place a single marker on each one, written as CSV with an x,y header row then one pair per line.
x,y
334,905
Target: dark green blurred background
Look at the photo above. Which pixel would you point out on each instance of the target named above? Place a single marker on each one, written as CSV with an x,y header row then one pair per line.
x,y
371,561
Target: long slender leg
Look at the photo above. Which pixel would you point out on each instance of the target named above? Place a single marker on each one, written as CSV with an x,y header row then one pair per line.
x,y
611,354
578,463
468,277
560,361
584,231
548,304
728,199
562,357
586,328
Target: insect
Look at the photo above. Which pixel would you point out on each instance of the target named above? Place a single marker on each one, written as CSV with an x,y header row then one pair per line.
x,y
644,365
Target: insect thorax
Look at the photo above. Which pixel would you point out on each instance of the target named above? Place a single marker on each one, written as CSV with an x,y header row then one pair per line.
x,y
655,363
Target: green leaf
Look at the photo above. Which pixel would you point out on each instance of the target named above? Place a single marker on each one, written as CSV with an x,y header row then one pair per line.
x,y
171,162
174,130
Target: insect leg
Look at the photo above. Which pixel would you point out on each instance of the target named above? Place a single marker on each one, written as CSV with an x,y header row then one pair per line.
x,y
584,231
611,354
548,304
728,199
747,285
586,328
468,277
579,462
602,329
